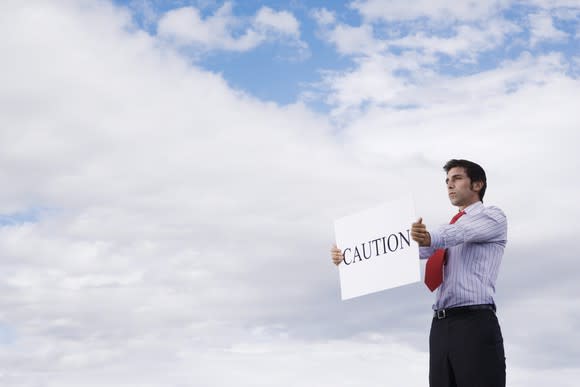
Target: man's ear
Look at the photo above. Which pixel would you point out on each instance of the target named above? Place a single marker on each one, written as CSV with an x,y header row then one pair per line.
x,y
477,186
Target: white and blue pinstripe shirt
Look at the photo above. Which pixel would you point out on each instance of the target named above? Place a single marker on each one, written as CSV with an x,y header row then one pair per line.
x,y
475,245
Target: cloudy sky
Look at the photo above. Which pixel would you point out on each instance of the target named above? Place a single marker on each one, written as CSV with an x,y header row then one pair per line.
x,y
170,172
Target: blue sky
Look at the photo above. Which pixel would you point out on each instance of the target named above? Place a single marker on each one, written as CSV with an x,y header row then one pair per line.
x,y
30,215
256,70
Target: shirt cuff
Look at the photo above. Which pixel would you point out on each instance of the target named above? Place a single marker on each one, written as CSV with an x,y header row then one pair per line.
x,y
425,252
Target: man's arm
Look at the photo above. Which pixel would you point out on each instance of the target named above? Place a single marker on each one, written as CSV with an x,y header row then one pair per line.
x,y
490,225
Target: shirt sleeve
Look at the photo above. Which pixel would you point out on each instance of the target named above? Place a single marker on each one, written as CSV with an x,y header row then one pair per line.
x,y
425,252
490,225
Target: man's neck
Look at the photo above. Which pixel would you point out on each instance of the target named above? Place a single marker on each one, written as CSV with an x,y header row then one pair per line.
x,y
461,208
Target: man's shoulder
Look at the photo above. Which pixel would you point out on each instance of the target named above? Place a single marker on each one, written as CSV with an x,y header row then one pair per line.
x,y
494,213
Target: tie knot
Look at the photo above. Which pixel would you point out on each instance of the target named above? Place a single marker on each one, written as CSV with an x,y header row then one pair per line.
x,y
457,216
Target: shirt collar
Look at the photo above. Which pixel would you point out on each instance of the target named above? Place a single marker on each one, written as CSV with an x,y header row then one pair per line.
x,y
474,208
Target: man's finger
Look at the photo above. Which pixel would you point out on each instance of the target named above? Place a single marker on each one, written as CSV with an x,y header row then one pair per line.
x,y
418,236
419,229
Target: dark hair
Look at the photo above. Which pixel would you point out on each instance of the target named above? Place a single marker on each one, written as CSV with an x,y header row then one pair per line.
x,y
474,171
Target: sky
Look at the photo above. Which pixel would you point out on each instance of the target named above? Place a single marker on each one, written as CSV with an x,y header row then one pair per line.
x,y
171,171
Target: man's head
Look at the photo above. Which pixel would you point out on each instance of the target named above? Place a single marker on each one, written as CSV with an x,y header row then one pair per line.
x,y
466,182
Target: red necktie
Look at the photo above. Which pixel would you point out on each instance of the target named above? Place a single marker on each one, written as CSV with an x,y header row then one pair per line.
x,y
434,268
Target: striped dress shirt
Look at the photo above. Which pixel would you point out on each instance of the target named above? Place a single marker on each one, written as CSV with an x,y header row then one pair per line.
x,y
475,245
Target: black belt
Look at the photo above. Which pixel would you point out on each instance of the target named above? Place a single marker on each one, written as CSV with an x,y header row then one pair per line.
x,y
440,314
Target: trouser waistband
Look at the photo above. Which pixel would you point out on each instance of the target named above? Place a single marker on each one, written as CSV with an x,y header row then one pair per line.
x,y
440,314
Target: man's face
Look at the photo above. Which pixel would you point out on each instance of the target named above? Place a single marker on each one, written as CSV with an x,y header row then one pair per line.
x,y
461,192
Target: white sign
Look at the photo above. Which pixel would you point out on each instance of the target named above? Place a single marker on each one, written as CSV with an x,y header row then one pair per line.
x,y
377,248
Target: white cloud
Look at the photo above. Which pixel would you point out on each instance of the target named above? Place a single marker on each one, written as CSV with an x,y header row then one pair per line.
x,y
381,77
225,31
190,223
542,29
441,10
186,27
354,40
373,81
553,4
376,81
568,13
468,40
461,44
170,191
323,16
283,22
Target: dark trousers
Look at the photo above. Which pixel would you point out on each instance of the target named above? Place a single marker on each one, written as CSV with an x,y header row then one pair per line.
x,y
466,350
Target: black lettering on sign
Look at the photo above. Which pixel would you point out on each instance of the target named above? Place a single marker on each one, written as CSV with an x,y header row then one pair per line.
x,y
407,239
390,243
344,256
357,254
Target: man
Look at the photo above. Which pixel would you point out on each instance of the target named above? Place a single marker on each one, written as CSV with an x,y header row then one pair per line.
x,y
465,343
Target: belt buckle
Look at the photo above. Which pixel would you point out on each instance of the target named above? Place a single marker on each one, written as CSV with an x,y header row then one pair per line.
x,y
441,314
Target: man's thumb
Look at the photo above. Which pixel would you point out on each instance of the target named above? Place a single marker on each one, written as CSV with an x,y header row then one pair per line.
x,y
420,220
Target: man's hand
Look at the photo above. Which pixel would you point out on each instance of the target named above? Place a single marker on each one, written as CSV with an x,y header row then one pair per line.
x,y
420,234
336,255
